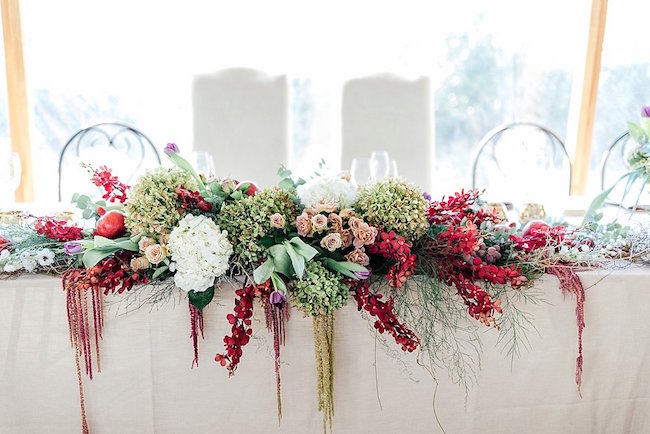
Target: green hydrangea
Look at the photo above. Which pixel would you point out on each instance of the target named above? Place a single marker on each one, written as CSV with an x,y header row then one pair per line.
x,y
394,204
321,292
248,219
152,205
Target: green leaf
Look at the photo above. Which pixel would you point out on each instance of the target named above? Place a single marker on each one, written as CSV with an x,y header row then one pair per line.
x,y
297,261
283,172
278,283
184,165
262,273
303,249
201,299
267,241
87,213
287,184
598,201
341,267
92,257
159,271
281,260
636,203
637,133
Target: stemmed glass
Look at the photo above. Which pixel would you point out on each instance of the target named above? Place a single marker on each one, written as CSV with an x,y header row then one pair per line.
x,y
380,165
9,177
393,169
360,171
203,163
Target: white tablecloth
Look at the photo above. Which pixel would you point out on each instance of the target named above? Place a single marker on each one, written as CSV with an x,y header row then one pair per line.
x,y
146,384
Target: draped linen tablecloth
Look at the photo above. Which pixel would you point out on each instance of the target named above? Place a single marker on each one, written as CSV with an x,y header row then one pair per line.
x,y
146,384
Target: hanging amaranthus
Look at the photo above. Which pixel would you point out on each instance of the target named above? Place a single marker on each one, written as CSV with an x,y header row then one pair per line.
x,y
324,346
276,309
570,282
319,294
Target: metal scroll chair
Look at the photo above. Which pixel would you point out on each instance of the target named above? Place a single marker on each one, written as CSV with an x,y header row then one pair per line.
x,y
124,149
613,165
613,159
522,161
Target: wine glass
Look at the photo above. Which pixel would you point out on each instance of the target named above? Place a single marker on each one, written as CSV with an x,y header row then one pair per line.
x,y
203,163
393,169
360,170
10,177
379,165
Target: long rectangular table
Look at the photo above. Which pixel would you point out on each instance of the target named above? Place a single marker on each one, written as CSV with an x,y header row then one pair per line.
x,y
147,385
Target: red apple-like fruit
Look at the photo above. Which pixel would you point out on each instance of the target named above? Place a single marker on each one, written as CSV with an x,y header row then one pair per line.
x,y
536,225
110,224
251,190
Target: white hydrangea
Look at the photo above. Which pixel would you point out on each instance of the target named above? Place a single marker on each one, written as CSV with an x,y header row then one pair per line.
x,y
200,251
327,190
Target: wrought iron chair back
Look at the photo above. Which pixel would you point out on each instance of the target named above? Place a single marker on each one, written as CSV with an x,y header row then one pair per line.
x,y
526,146
123,148
614,157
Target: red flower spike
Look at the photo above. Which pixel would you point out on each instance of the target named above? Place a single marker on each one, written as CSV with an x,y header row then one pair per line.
x,y
386,319
57,229
114,190
240,329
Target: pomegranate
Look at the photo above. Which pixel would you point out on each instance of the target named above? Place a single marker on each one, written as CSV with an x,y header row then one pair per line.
x,y
110,223
536,225
251,190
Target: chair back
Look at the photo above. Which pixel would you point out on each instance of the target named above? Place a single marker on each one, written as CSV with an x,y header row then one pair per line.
x,y
240,116
124,149
389,113
522,161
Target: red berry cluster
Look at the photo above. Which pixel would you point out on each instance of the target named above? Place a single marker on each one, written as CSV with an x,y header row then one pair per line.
x,y
392,246
4,244
386,319
57,229
241,328
191,200
114,190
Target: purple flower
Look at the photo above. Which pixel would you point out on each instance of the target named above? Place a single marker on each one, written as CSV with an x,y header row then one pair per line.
x,y
645,111
72,247
277,298
427,196
362,275
171,148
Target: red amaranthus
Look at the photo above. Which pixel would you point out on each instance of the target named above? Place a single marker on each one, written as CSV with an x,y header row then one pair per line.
x,y
109,275
114,190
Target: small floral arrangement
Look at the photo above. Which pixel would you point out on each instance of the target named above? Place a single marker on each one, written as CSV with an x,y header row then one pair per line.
x,y
638,160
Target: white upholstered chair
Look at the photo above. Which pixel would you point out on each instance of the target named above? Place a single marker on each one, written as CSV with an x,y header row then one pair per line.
x,y
388,113
240,116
